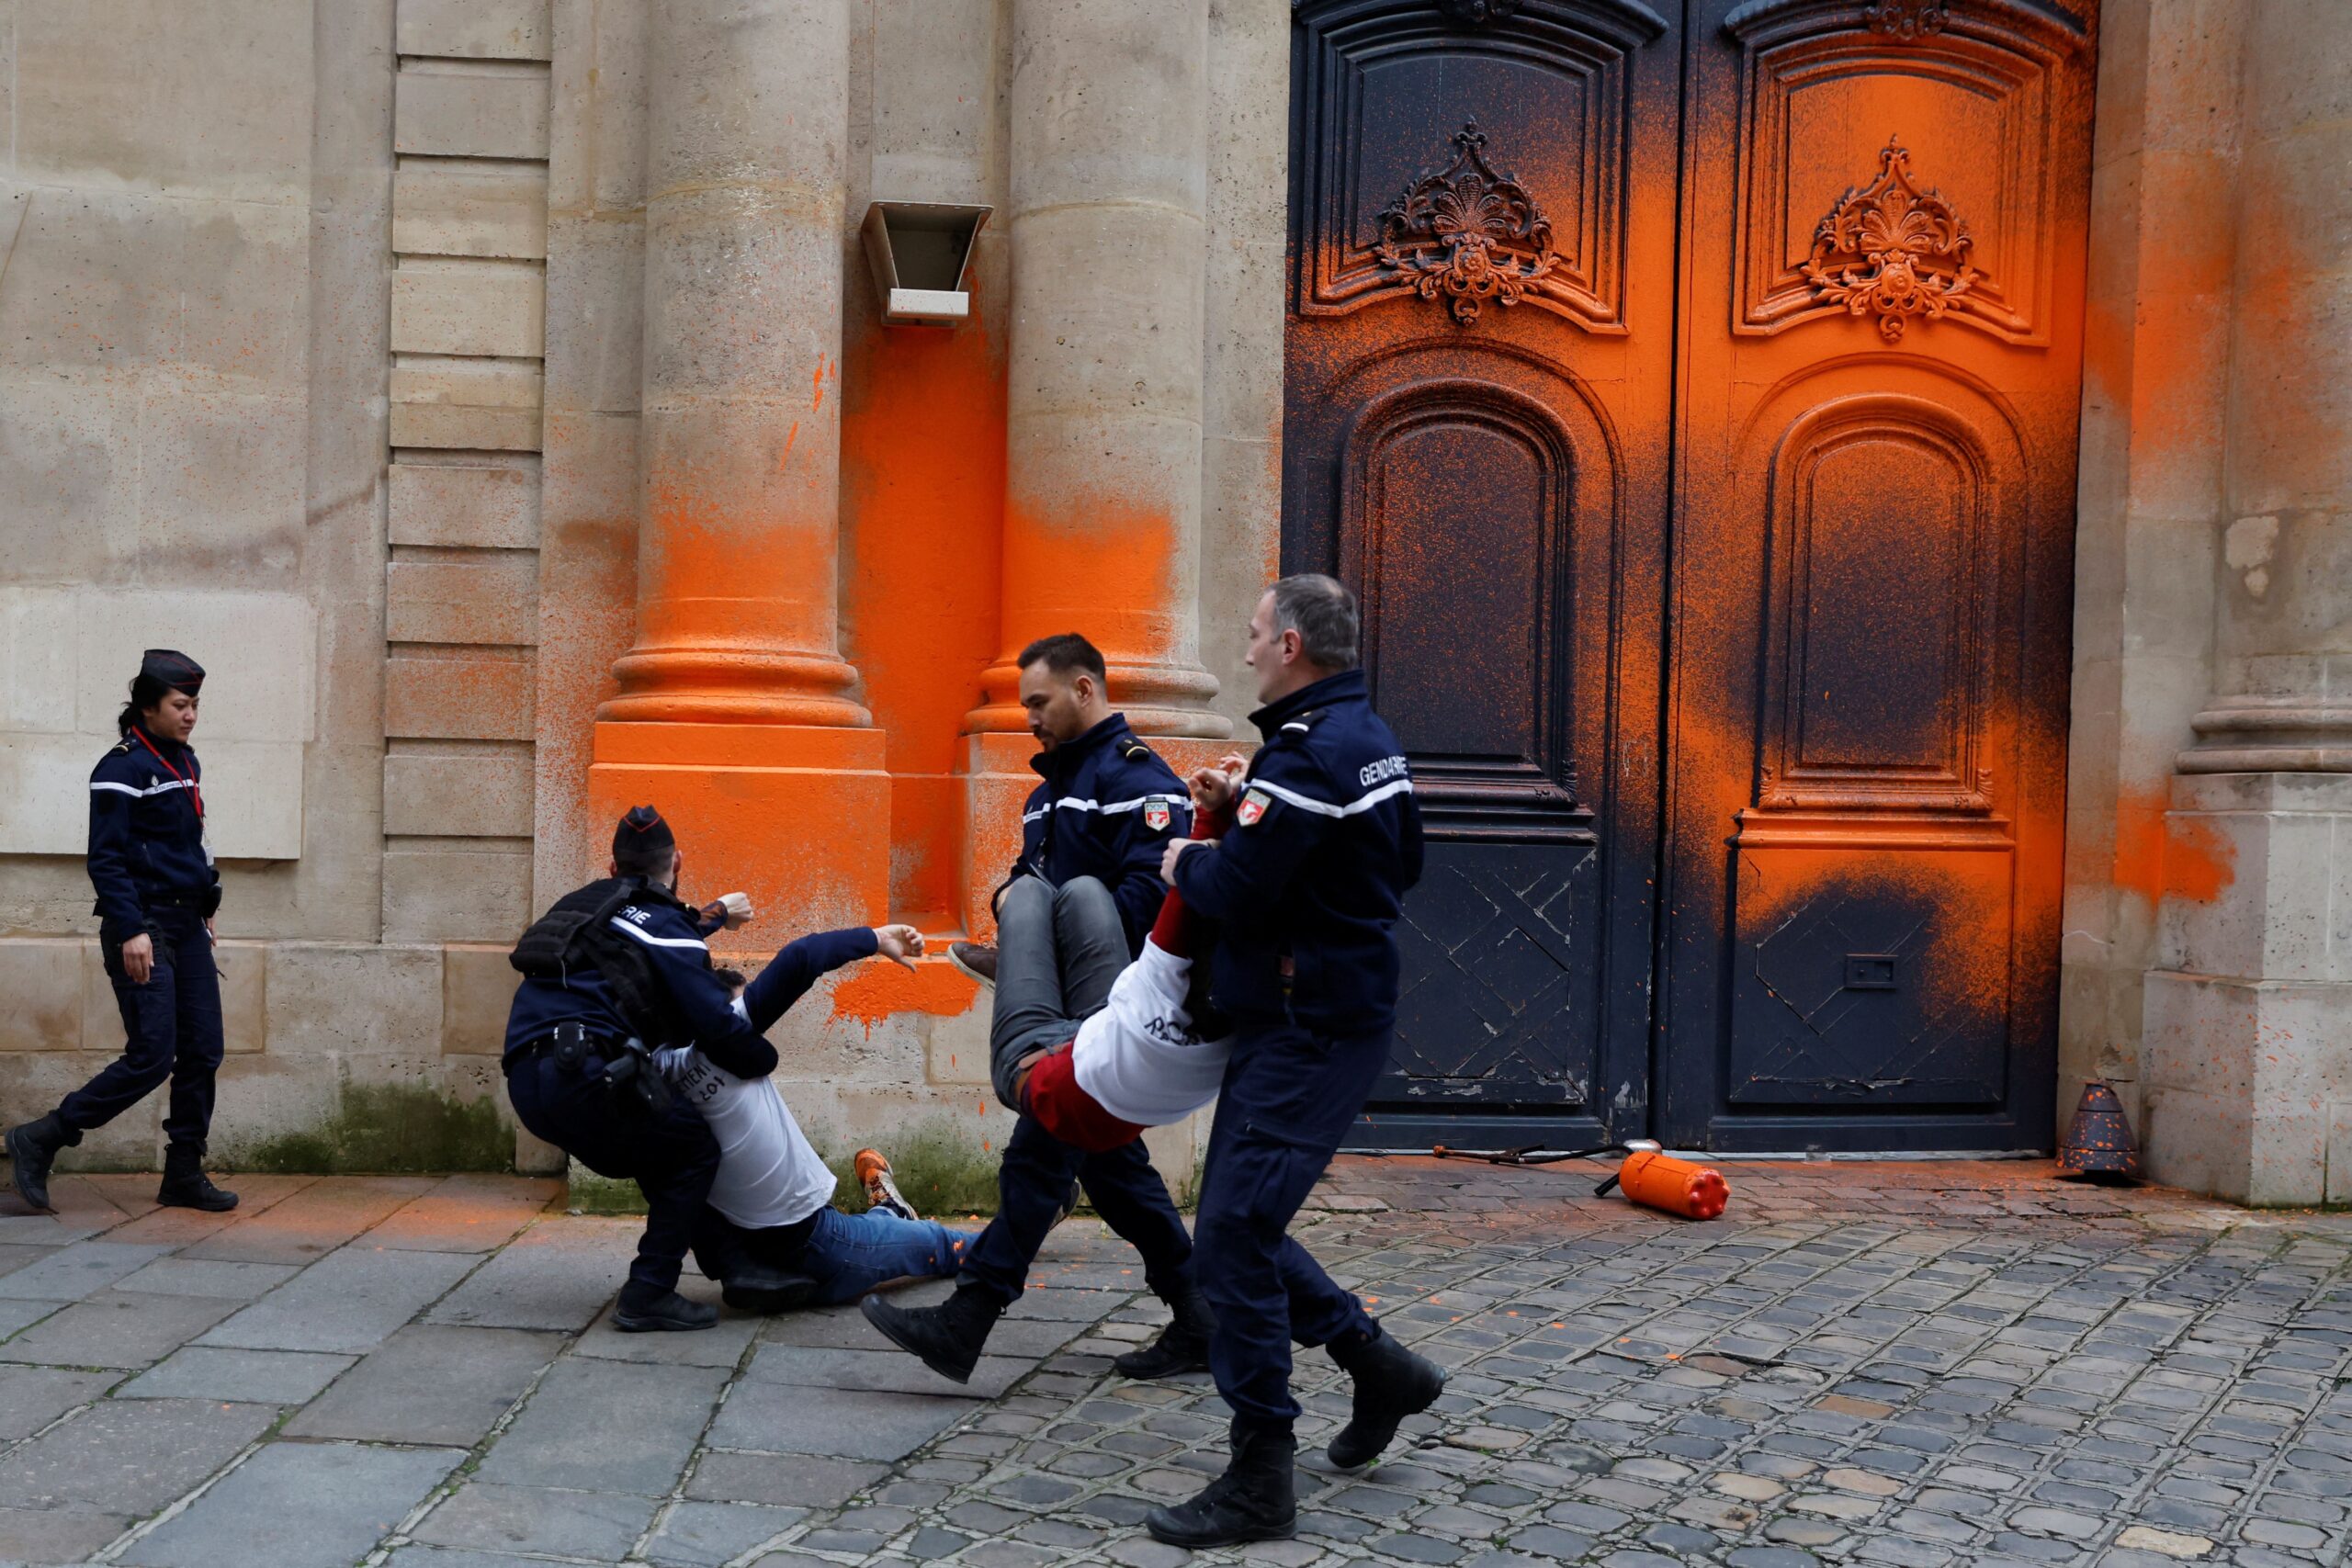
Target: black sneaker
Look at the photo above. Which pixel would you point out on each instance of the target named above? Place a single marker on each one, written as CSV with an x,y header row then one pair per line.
x,y
668,1312
751,1288
977,959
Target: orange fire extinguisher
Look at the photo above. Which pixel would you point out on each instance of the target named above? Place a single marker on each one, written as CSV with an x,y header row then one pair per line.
x,y
1649,1176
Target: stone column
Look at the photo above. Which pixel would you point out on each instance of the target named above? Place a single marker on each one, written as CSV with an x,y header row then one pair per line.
x,y
2248,1012
733,713
1109,146
746,150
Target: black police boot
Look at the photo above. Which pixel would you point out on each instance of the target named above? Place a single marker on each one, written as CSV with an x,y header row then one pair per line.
x,y
32,1146
1392,1383
754,1287
1255,1499
1182,1346
185,1185
657,1312
947,1336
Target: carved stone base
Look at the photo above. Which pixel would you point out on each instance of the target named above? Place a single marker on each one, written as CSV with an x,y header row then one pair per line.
x,y
2253,735
2246,1084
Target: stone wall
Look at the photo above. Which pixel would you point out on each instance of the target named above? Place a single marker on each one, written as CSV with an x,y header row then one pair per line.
x,y
322,356
2209,872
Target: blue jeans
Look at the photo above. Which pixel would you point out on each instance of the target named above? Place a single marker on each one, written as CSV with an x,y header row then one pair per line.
x,y
849,1255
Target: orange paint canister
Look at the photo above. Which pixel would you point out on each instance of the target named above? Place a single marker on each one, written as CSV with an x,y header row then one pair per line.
x,y
1676,1185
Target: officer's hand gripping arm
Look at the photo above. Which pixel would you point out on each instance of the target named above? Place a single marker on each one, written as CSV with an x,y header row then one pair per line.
x,y
1240,879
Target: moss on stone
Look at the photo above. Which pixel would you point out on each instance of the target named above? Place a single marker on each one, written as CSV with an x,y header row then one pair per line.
x,y
387,1129
593,1194
944,1173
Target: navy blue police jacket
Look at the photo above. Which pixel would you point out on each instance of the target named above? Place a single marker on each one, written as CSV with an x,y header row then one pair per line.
x,y
1105,809
731,1037
1311,876
147,834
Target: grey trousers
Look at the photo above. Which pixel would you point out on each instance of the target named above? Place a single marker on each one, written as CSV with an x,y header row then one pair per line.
x,y
1058,952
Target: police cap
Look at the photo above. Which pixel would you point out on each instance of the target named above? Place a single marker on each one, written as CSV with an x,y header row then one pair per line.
x,y
174,669
643,832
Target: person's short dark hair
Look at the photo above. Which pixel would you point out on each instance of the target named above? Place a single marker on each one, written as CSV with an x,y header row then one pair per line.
x,y
643,844
1323,613
1066,653
731,979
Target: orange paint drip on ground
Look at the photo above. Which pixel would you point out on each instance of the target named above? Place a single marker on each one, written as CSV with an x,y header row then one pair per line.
x,y
874,991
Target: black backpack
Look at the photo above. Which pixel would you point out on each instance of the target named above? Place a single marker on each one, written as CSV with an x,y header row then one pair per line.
x,y
578,934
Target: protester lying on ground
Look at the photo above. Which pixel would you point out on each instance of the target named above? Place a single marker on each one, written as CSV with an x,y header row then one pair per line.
x,y
1090,1050
771,1204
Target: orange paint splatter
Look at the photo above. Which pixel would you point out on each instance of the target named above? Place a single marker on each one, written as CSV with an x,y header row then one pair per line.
x,y
2156,855
874,991
784,457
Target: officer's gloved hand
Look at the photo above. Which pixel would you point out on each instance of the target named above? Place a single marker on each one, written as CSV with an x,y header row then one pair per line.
x,y
729,910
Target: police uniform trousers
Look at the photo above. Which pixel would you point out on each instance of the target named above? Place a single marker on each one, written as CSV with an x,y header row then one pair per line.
x,y
172,1026
670,1153
1033,1187
1288,1098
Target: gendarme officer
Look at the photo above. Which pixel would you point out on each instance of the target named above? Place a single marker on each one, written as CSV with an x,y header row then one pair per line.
x,y
157,890
1092,836
612,972
1307,887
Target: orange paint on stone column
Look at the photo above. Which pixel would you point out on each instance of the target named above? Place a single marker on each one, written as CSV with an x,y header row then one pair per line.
x,y
1098,565
873,992
922,506
2159,856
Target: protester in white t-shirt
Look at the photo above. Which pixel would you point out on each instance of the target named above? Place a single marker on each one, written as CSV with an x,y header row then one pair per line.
x,y
772,1201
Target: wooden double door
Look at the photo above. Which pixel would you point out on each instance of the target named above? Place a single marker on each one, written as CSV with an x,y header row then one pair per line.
x,y
1690,390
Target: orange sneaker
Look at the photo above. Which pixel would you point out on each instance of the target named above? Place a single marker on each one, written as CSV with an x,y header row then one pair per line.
x,y
881,1192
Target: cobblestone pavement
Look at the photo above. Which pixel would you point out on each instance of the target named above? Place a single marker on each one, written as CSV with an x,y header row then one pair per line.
x,y
1896,1363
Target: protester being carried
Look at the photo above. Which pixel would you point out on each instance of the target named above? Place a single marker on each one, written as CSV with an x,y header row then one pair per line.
x,y
1153,1054
1093,1052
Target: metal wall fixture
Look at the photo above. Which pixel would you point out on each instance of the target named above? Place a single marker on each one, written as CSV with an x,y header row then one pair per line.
x,y
921,252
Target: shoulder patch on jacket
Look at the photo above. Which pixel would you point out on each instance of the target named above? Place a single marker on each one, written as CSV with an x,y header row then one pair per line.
x,y
1133,751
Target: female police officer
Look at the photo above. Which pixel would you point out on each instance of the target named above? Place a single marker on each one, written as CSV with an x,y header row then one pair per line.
x,y
157,889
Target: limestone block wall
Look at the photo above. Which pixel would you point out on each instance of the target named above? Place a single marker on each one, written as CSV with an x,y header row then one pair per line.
x,y
198,318
321,336
2150,516
469,314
